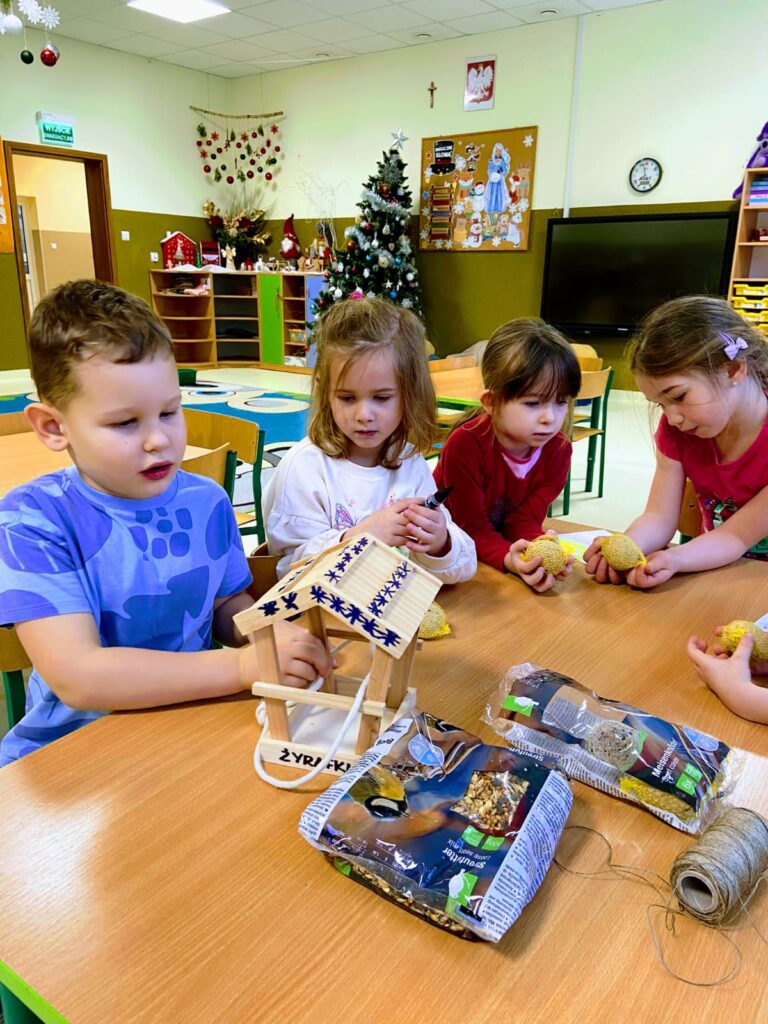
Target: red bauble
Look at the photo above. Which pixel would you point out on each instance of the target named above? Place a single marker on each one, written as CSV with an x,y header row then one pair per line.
x,y
49,55
249,174
207,169
230,180
351,244
268,176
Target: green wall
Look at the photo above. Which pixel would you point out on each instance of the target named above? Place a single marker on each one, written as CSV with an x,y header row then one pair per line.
x,y
466,295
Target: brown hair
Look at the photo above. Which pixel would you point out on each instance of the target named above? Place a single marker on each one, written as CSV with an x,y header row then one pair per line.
x,y
526,356
81,319
690,335
358,327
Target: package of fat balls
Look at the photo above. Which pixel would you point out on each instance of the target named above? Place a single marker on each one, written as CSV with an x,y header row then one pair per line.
x,y
453,830
674,771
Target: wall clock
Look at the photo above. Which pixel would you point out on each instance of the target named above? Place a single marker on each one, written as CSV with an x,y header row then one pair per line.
x,y
645,174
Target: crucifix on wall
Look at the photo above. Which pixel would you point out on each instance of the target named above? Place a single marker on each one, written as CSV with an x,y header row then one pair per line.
x,y
431,90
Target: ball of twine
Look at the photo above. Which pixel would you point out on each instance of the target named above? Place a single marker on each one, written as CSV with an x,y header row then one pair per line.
x,y
716,877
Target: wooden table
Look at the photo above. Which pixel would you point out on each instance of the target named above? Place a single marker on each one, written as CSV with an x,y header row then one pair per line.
x,y
23,457
148,877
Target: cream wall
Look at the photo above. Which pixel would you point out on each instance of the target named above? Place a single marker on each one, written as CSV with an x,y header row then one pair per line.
x,y
133,109
674,79
59,188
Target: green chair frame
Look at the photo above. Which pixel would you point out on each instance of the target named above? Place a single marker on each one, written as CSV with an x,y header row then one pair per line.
x,y
598,421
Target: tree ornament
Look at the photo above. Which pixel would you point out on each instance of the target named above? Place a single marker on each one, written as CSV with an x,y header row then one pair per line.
x,y
375,243
393,295
385,230
351,244
409,277
49,55
383,261
27,57
11,24
337,293
391,246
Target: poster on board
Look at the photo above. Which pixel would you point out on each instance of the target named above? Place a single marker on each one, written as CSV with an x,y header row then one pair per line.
x,y
6,226
476,191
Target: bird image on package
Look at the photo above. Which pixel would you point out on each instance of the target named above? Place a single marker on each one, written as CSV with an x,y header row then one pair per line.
x,y
674,771
458,833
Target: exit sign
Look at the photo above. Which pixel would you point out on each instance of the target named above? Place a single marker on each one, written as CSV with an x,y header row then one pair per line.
x,y
55,129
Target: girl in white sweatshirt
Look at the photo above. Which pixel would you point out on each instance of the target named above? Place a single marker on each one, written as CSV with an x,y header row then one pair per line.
x,y
362,468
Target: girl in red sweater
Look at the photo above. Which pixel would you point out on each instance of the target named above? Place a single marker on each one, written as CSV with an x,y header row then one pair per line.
x,y
508,462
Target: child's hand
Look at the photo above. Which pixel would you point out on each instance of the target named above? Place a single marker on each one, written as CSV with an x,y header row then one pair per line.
x,y
729,677
659,567
758,668
533,572
300,655
389,524
595,565
428,530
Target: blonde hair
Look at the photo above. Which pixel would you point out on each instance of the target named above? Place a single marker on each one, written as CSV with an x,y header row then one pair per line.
x,y
358,327
690,335
81,319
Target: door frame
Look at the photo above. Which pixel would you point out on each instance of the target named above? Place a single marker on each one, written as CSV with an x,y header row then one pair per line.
x,y
99,209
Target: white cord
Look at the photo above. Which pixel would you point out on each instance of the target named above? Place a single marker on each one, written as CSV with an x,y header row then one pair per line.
x,y
325,761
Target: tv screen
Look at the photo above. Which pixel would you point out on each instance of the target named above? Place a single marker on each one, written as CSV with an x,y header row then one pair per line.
x,y
603,274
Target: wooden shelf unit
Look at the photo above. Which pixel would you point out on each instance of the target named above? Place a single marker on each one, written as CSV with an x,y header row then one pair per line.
x,y
247,316
748,289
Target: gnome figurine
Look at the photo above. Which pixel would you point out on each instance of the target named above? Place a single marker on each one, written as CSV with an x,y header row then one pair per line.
x,y
290,247
759,158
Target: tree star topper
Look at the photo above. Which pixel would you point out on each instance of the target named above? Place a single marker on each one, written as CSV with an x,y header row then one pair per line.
x,y
399,139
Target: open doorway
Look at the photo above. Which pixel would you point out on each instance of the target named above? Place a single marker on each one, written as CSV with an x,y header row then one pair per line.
x,y
62,228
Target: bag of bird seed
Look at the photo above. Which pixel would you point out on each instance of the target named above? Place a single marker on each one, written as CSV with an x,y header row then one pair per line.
x,y
452,830
676,772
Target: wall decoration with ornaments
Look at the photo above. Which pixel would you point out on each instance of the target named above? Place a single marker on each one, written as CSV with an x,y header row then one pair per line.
x,y
238,148
35,15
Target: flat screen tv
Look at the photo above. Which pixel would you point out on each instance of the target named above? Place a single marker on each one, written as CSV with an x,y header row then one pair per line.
x,y
603,274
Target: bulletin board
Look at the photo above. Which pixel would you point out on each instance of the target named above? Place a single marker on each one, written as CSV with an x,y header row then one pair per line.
x,y
476,191
6,225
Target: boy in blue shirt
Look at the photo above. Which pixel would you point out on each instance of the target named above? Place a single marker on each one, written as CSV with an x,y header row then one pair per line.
x,y
118,570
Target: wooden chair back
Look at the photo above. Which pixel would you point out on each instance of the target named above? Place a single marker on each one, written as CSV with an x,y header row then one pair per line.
x,y
594,383
689,523
213,429
589,363
263,568
13,659
14,423
583,350
450,363
212,464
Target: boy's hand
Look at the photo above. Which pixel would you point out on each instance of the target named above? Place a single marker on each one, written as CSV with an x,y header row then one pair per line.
x,y
389,524
533,572
595,565
659,567
729,677
301,656
428,530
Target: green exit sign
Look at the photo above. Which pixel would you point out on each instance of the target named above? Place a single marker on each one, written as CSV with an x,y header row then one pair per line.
x,y
55,130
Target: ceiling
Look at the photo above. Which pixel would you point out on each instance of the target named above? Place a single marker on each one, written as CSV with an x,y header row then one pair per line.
x,y
270,35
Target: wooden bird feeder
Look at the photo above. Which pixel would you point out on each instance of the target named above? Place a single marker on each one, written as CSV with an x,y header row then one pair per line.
x,y
360,590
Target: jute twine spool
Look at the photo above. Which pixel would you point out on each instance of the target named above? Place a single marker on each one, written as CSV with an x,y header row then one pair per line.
x,y
716,877
712,881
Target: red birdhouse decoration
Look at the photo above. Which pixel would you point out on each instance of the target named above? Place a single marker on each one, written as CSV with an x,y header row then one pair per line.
x,y
178,249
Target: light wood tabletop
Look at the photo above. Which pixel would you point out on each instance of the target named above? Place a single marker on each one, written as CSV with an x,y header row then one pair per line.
x,y
148,877
464,385
23,457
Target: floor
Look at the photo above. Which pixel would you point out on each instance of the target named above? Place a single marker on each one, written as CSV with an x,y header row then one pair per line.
x,y
629,451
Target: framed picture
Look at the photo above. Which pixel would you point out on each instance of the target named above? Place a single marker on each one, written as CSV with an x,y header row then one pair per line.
x,y
476,190
479,83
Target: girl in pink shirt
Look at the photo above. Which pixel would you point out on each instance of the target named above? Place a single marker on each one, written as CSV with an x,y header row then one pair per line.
x,y
707,369
508,462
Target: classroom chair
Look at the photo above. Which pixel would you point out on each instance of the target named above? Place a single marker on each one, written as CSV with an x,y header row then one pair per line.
x,y
217,464
246,439
595,386
451,363
581,349
689,523
263,568
13,659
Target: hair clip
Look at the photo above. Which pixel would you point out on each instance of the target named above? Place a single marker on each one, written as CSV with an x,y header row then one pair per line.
x,y
732,345
356,294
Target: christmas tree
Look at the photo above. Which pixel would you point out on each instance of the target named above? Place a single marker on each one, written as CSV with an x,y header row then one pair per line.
x,y
378,260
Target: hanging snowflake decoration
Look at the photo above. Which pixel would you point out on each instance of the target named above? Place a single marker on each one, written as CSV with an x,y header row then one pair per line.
x,y
49,17
31,10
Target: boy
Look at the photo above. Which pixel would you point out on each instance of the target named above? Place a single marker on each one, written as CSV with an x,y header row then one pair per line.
x,y
118,569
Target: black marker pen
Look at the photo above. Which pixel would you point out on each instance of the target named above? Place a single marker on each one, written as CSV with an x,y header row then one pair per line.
x,y
436,500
